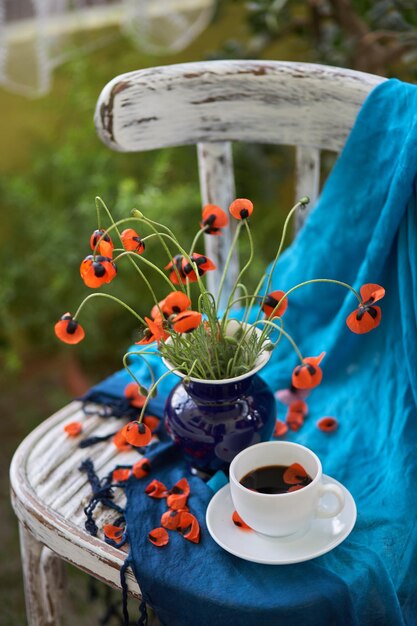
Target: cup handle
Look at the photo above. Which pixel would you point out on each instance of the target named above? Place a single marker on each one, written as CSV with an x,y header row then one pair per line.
x,y
340,496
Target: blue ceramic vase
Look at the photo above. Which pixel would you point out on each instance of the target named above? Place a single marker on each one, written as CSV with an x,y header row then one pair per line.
x,y
211,421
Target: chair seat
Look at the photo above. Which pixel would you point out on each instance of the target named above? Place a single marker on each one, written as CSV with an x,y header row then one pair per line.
x,y
49,492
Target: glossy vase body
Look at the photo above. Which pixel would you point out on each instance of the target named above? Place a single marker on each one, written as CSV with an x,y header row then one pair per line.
x,y
212,422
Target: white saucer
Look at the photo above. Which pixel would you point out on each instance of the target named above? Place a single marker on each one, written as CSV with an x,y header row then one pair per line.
x,y
322,536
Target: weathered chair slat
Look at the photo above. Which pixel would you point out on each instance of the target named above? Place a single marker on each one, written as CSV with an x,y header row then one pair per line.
x,y
217,186
311,107
307,168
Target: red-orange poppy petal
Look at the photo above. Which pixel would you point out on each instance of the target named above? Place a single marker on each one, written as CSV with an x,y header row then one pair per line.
x,y
137,433
189,527
157,311
308,374
120,475
181,487
294,474
214,219
154,332
141,468
73,429
241,208
176,274
159,537
69,330
280,429
152,422
105,247
187,321
372,292
156,489
295,420
364,319
327,424
115,533
120,442
97,271
131,392
269,306
295,488
131,241
238,521
177,501
299,406
175,302
203,263
170,519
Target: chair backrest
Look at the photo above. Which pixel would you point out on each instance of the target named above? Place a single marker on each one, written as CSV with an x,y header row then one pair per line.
x,y
211,104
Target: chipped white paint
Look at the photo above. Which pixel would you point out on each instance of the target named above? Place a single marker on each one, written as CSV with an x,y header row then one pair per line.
x,y
309,106
312,107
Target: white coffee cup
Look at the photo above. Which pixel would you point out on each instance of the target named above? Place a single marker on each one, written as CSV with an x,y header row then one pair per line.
x,y
281,514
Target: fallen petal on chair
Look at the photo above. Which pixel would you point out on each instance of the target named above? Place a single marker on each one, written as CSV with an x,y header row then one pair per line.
x,y
141,468
120,442
280,429
327,424
136,399
159,537
238,521
120,475
73,429
156,489
189,527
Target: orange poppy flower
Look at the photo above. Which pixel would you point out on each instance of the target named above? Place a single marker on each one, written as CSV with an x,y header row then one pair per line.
x,y
141,468
159,537
367,316
327,424
120,475
69,330
280,429
97,271
154,332
241,208
189,527
137,434
105,247
156,489
73,429
270,304
131,241
238,521
136,399
175,302
214,219
186,322
120,442
186,269
294,474
115,533
309,374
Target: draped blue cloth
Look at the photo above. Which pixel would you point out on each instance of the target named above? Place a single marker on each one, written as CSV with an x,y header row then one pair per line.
x,y
363,230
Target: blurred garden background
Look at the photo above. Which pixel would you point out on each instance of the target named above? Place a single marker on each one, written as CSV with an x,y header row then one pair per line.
x,y
52,166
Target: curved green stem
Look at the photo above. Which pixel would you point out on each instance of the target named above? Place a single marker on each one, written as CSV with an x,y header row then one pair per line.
x,y
151,390
228,260
196,238
138,353
241,273
107,295
283,332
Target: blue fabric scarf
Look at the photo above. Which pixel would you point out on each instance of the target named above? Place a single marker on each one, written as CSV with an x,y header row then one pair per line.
x,y
364,229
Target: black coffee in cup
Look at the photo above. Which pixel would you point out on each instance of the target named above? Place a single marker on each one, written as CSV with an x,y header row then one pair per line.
x,y
273,479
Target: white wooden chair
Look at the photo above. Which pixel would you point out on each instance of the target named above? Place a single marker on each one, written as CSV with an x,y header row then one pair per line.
x,y
210,104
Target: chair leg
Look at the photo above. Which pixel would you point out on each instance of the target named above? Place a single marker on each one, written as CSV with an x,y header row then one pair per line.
x,y
44,581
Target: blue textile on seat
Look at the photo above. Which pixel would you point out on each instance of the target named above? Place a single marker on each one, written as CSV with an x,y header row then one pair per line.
x,y
364,229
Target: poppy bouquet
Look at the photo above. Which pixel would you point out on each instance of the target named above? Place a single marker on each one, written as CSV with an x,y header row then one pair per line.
x,y
187,327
